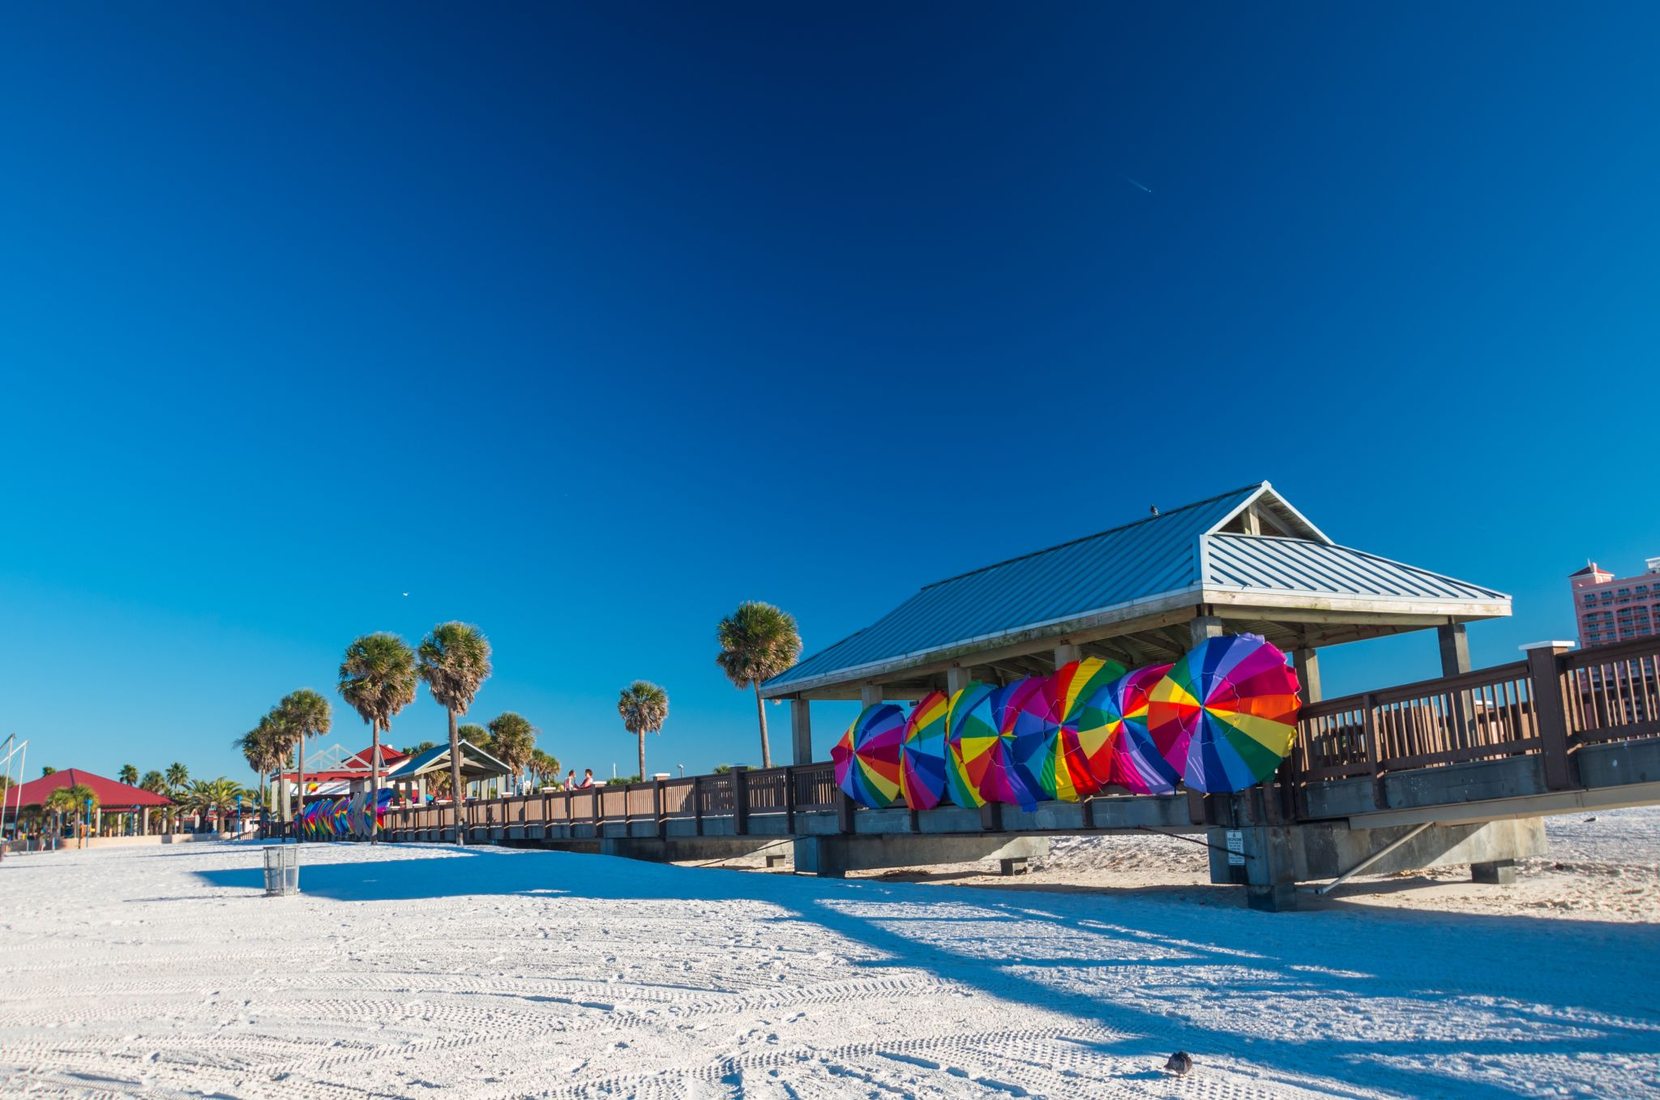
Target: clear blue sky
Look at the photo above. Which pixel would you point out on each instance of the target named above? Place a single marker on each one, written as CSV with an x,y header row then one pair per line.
x,y
586,322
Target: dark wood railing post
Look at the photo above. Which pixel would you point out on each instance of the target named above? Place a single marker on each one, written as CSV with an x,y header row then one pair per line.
x,y
1369,745
844,812
1544,668
697,803
789,800
657,808
740,802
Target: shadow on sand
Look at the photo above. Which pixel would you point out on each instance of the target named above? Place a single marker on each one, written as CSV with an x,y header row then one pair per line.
x,y
1133,962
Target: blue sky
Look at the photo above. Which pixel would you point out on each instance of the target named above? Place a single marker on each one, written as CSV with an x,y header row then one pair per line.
x,y
585,323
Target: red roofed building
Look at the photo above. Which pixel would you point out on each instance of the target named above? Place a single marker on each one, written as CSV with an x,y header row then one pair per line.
x,y
113,797
336,780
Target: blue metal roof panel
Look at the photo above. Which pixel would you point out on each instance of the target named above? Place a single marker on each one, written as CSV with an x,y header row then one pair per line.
x,y
1138,561
1298,565
415,763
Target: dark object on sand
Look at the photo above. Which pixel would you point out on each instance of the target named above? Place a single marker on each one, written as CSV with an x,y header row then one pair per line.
x,y
1181,1063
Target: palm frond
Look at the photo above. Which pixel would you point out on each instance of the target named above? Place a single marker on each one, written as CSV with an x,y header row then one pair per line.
x,y
757,642
454,662
644,707
377,677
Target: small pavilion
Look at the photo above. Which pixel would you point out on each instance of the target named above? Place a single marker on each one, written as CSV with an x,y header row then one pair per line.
x,y
332,773
127,806
409,779
1143,593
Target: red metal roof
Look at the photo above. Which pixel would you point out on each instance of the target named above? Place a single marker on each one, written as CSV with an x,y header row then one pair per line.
x,y
110,794
355,766
388,755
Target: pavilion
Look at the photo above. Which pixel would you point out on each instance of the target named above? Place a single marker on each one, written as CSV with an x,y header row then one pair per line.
x,y
1142,593
409,778
129,804
332,773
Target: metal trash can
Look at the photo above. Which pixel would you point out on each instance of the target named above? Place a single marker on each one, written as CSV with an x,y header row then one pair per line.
x,y
282,870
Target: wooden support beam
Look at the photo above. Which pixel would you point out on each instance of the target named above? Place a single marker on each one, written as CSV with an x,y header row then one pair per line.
x,y
1307,662
1455,649
801,730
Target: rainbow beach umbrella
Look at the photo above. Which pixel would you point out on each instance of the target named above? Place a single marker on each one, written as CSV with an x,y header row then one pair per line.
x,y
979,750
867,756
1083,760
1030,720
1228,711
1133,758
922,753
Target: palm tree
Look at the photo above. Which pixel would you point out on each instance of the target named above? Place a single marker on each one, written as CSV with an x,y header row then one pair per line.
x,y
544,767
757,642
261,747
215,796
377,678
513,741
644,708
298,715
455,662
177,776
78,800
155,783
128,774
60,802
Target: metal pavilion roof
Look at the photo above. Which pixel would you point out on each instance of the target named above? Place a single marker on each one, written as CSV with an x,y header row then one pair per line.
x,y
475,763
1245,555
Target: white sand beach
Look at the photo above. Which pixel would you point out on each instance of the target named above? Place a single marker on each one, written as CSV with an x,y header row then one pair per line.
x,y
407,970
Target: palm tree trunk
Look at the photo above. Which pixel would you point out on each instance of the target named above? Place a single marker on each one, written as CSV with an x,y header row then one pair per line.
x,y
761,713
374,785
642,756
455,780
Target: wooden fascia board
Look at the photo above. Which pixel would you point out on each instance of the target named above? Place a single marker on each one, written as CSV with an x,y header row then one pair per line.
x,y
1275,604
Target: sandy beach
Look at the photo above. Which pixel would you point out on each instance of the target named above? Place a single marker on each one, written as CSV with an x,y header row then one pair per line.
x,y
492,973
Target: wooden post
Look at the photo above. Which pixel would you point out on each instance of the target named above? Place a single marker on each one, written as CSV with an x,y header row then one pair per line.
x,y
1066,653
740,801
844,812
1203,626
1374,756
1307,663
1455,649
1455,661
1550,715
870,694
801,729
657,808
697,803
789,801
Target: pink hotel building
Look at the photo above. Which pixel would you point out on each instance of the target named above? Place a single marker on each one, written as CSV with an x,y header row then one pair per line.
x,y
1611,609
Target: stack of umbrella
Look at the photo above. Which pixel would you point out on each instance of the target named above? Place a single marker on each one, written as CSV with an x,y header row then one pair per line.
x,y
1221,719
341,818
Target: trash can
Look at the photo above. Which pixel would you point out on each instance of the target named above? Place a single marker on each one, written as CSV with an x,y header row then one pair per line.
x,y
282,870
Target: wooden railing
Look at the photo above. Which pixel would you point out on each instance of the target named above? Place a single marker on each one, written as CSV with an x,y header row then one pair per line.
x,y
739,794
1612,693
1550,705
1481,715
